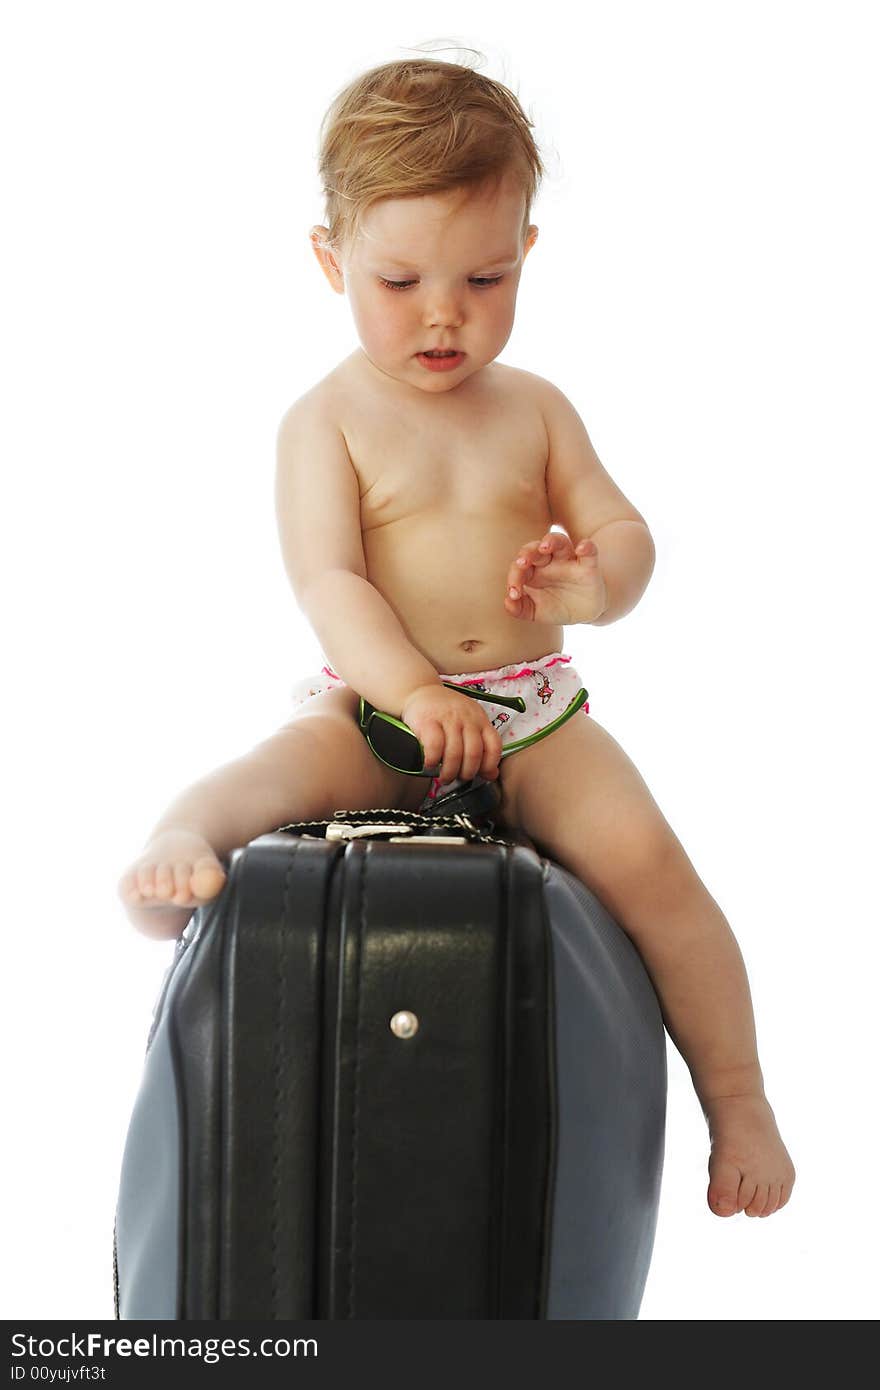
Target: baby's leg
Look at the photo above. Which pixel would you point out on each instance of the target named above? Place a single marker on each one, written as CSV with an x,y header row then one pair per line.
x,y
317,763
583,802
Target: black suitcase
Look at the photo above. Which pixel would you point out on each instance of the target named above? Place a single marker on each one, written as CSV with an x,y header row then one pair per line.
x,y
407,1071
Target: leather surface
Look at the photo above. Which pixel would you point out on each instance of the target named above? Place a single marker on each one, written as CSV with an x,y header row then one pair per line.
x,y
503,1162
275,1034
437,1150
367,1175
150,1183
612,1081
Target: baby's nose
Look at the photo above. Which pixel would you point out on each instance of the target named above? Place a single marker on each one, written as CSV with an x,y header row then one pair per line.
x,y
444,311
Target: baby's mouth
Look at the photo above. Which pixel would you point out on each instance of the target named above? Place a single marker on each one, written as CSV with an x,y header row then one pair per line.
x,y
441,352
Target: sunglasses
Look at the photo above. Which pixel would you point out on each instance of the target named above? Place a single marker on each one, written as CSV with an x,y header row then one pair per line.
x,y
395,744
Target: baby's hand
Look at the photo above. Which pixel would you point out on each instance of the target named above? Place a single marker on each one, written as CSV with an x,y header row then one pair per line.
x,y
454,729
553,581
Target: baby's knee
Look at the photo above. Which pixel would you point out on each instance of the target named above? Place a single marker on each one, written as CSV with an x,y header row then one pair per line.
x,y
303,754
321,763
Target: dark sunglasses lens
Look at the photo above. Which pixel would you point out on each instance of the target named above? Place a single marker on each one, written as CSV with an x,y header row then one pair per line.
x,y
395,746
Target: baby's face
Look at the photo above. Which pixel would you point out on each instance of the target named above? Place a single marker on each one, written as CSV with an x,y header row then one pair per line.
x,y
456,261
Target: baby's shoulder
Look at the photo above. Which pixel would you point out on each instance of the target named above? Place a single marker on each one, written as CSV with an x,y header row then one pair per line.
x,y
321,400
522,385
518,379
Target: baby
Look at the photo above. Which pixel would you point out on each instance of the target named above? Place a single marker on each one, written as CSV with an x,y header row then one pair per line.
x,y
417,488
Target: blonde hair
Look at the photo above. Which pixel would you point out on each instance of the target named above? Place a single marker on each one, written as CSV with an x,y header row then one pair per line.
x,y
420,126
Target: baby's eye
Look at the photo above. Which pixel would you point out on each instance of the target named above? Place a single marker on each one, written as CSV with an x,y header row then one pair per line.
x,y
482,282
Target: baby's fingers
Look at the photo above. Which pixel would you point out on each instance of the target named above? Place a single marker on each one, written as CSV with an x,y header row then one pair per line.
x,y
519,605
451,753
522,568
556,545
586,548
430,735
536,555
473,752
491,753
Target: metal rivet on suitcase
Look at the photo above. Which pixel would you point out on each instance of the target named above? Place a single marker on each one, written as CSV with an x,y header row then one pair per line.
x,y
404,1024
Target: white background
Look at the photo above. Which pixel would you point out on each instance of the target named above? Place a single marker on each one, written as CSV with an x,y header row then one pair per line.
x,y
705,291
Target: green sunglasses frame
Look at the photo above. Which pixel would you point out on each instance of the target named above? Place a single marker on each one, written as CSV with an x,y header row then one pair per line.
x,y
367,713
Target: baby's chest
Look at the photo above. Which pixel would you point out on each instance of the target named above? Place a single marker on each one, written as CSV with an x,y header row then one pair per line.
x,y
406,470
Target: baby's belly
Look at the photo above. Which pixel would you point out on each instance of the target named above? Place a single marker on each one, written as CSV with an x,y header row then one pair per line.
x,y
446,579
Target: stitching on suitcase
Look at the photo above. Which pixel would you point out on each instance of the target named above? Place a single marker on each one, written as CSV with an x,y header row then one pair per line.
x,y
280,1009
355,1130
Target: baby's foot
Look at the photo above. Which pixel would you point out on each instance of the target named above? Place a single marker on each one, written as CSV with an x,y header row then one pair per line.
x,y
749,1167
175,873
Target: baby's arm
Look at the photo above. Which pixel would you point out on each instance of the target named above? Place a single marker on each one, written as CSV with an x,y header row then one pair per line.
x,y
626,559
585,500
318,508
318,504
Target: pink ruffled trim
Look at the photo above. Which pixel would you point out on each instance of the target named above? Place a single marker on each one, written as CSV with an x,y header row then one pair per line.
x,y
469,678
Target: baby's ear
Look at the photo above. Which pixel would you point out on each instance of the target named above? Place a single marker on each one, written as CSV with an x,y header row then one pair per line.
x,y
327,258
531,238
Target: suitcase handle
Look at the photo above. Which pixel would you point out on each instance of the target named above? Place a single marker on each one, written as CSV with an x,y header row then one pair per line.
x,y
400,825
339,830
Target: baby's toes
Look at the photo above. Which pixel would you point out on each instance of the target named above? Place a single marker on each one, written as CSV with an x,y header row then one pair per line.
x,y
164,881
146,880
773,1199
759,1200
724,1185
182,873
207,877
